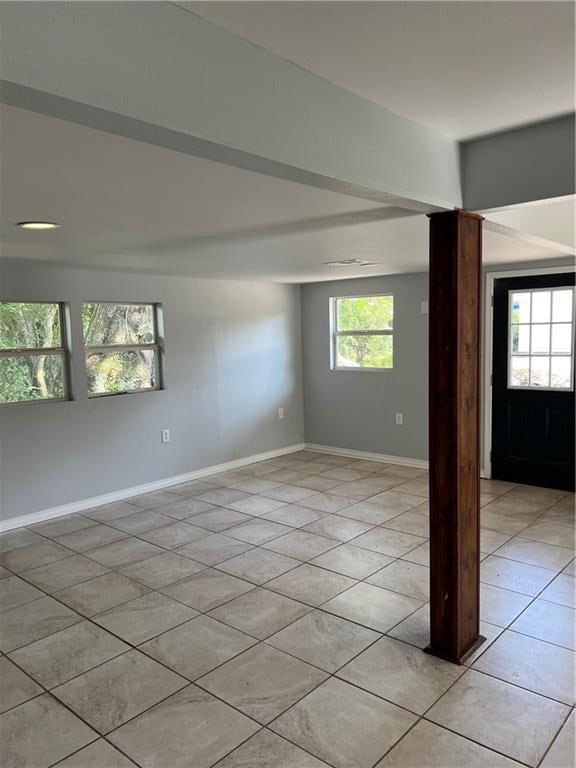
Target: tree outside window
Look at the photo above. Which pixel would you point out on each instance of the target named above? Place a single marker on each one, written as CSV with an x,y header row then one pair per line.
x,y
32,352
122,351
362,335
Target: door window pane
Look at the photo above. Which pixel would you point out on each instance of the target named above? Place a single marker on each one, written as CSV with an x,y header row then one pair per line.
x,y
541,306
538,342
539,371
520,339
561,338
562,306
561,373
519,371
540,339
521,307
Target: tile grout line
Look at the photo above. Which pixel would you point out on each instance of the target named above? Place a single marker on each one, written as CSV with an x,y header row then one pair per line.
x,y
115,569
262,585
570,713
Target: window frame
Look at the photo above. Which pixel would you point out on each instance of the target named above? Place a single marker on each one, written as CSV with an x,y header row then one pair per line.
x,y
335,333
549,354
157,346
63,351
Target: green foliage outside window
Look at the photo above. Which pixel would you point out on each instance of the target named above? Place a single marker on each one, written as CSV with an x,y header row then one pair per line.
x,y
112,324
355,349
30,376
365,313
111,371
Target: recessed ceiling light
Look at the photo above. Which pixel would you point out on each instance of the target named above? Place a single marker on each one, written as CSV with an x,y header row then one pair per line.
x,y
38,226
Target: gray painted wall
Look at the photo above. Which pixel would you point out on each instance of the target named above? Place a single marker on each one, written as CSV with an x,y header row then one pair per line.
x,y
233,356
520,166
356,409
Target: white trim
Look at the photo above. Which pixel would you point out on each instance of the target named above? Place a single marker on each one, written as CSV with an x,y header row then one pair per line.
x,y
335,333
156,485
368,456
403,460
489,311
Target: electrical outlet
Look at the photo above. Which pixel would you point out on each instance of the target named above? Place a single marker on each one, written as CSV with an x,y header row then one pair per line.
x,y
281,413
165,436
399,418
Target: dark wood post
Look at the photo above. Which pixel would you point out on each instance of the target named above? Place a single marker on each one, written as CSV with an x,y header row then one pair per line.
x,y
454,433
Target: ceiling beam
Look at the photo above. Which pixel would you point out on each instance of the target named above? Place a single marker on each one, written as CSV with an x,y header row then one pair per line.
x,y
159,73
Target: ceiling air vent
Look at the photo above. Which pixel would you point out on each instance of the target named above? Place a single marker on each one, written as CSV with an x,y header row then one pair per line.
x,y
351,263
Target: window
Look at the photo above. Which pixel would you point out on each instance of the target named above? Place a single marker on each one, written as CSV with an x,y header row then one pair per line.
x,y
122,349
33,360
362,332
541,339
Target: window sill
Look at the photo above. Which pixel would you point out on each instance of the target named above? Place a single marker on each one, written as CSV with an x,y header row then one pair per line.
x,y
45,401
361,370
100,395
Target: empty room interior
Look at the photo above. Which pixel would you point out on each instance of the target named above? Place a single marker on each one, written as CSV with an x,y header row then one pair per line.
x,y
287,445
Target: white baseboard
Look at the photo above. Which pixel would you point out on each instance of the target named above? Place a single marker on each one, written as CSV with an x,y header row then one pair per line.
x,y
156,485
403,460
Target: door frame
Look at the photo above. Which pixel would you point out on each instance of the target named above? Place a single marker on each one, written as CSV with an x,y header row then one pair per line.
x,y
491,277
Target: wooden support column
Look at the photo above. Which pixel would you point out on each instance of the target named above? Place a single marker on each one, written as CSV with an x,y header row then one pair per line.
x,y
454,433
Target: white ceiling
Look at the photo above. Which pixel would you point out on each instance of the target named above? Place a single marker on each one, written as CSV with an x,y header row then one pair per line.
x,y
464,68
129,205
550,220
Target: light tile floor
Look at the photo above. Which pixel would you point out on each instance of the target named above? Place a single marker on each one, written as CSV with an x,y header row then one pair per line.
x,y
273,617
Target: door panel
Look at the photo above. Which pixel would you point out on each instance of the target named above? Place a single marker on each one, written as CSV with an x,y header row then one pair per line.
x,y
556,434
518,432
533,382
